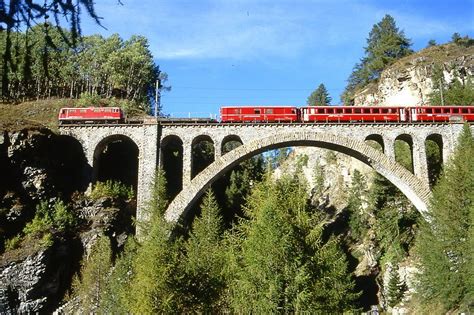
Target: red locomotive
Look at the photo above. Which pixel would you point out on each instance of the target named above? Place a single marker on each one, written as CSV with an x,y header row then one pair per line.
x,y
91,115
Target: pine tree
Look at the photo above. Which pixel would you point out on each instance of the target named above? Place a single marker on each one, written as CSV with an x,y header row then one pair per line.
x,y
444,243
358,221
284,265
94,276
115,298
395,287
156,265
385,45
203,264
319,97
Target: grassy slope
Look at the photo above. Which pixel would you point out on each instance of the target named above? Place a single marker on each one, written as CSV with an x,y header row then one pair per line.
x,y
35,114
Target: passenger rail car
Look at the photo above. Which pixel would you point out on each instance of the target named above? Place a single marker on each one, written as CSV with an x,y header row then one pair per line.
x,y
259,114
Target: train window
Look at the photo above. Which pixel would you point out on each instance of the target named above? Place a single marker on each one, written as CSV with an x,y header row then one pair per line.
x,y
257,111
385,110
268,110
330,110
429,110
293,111
82,110
320,110
236,110
455,110
339,110
437,110
376,110
357,110
465,111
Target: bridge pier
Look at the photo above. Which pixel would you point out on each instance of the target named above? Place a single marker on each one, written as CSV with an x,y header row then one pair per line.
x,y
420,162
187,162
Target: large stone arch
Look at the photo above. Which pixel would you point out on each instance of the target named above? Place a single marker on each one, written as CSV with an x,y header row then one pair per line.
x,y
416,190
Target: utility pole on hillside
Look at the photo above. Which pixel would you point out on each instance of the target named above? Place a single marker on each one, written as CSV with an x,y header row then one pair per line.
x,y
157,97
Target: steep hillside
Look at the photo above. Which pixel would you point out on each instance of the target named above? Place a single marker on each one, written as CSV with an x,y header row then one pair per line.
x,y
409,80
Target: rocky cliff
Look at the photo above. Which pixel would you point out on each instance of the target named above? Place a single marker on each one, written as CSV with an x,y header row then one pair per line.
x,y
409,80
39,165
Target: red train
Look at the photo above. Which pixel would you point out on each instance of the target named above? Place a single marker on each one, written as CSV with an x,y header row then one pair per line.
x,y
346,114
91,115
308,114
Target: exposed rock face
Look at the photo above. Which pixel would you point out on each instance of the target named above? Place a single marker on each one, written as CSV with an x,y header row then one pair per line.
x,y
408,82
35,165
337,171
34,283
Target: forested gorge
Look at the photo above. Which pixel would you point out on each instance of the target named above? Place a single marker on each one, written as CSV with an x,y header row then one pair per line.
x,y
40,63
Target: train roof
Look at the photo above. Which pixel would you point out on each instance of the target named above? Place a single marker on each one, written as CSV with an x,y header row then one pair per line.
x,y
264,106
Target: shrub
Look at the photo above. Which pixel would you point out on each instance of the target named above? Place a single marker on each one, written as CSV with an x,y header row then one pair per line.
x,y
89,99
112,189
13,243
57,217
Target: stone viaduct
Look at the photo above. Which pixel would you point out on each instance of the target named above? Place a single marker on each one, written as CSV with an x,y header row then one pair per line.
x,y
349,139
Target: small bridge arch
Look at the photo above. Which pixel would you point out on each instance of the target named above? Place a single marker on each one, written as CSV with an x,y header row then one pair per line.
x,y
416,190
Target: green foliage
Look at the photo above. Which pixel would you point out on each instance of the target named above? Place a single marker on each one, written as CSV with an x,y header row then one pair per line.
x,y
202,155
385,45
203,263
403,154
87,99
434,159
112,189
358,217
331,157
395,287
281,262
97,68
431,43
319,97
115,296
13,243
58,218
395,221
465,41
318,179
94,275
444,244
154,287
459,92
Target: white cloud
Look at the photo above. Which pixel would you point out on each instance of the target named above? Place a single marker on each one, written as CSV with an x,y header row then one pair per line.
x,y
246,29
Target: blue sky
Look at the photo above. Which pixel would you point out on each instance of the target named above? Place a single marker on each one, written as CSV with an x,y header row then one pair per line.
x,y
244,52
